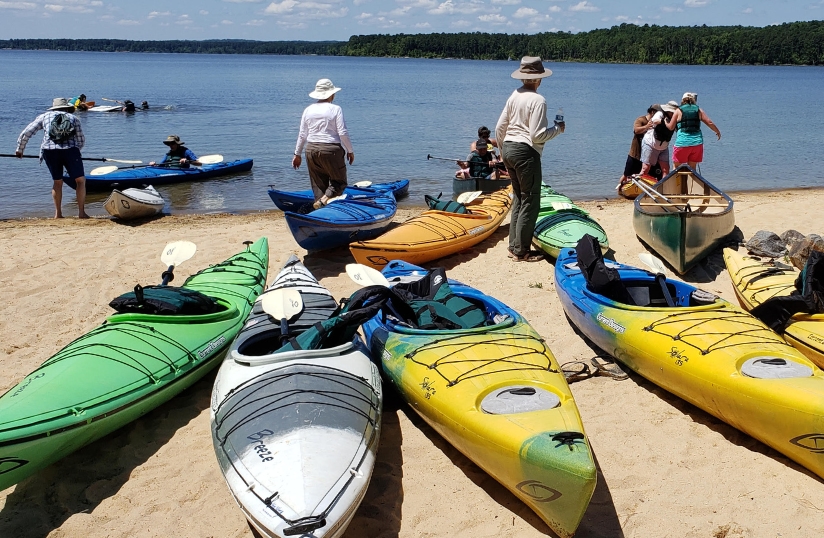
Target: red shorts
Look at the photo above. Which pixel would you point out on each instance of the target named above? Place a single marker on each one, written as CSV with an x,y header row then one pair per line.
x,y
688,154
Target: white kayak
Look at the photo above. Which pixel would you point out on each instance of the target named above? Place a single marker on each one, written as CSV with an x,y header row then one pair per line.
x,y
134,203
105,108
296,432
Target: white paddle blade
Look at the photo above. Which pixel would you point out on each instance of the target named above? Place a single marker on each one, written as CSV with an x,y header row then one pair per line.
x,y
102,170
211,159
336,198
653,263
365,276
178,252
282,303
466,197
363,184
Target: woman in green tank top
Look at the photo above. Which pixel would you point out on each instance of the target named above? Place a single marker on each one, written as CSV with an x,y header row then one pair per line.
x,y
689,142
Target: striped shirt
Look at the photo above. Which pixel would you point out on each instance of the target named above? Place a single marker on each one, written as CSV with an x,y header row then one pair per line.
x,y
42,122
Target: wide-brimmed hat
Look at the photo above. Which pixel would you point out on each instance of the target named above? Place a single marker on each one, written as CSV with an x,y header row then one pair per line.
x,y
671,106
324,89
173,139
531,67
60,103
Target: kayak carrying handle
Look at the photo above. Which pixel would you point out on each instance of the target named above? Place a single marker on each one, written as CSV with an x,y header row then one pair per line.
x,y
312,523
567,438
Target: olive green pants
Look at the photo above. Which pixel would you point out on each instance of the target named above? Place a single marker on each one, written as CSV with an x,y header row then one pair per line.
x,y
524,166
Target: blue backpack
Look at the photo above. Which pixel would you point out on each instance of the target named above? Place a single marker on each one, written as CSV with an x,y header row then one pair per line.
x,y
61,128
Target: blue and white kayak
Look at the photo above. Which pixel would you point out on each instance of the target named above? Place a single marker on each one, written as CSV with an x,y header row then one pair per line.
x,y
342,222
159,175
294,200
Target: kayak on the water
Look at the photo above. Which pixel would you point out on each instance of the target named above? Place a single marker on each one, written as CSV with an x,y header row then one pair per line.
x,y
159,175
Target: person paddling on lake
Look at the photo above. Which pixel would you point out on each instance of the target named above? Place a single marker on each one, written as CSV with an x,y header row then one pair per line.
x,y
178,156
325,137
62,142
689,142
522,130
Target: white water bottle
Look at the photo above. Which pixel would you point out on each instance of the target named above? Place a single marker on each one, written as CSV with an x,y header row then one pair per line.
x,y
559,115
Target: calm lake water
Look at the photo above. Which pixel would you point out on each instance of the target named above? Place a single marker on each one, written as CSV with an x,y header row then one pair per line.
x,y
398,111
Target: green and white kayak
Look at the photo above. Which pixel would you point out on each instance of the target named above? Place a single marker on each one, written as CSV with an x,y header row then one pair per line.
x,y
561,224
123,369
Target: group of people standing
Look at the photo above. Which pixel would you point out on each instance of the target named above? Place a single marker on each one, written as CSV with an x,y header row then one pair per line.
x,y
653,133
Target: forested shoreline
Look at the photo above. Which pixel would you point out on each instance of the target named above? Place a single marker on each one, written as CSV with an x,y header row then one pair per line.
x,y
797,43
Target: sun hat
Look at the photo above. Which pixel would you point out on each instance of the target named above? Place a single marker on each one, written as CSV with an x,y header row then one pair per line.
x,y
173,139
324,89
669,107
481,144
531,67
60,103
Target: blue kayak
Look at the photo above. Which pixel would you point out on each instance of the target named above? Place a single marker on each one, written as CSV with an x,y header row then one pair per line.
x,y
159,175
294,200
342,222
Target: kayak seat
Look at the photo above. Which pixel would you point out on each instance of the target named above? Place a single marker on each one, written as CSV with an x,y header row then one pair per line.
x,y
166,301
647,293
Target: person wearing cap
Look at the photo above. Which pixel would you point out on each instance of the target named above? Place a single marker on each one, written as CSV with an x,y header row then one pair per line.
x,y
481,161
325,138
655,143
522,131
179,156
689,142
59,154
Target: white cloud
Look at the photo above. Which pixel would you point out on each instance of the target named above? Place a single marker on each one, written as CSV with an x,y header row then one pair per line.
x,y
423,25
747,11
695,3
226,22
363,16
255,22
585,6
506,2
670,9
59,8
244,1
622,18
493,17
204,12
17,5
423,4
127,22
155,14
555,9
449,8
524,12
284,7
461,24
360,2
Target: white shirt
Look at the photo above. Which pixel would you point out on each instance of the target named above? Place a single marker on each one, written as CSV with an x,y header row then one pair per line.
x,y
524,120
649,137
323,123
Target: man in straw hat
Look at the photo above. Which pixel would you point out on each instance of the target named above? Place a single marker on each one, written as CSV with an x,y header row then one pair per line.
x,y
522,131
324,135
62,142
178,156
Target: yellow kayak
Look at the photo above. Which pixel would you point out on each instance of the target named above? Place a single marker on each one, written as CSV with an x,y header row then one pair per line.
x,y
756,281
707,352
434,234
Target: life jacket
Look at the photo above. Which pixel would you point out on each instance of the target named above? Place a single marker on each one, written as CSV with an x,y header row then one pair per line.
x,y
128,106
445,205
173,158
662,133
436,306
690,119
808,296
61,128
479,165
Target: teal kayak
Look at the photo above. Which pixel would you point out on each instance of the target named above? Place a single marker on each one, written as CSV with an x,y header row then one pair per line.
x,y
123,369
561,224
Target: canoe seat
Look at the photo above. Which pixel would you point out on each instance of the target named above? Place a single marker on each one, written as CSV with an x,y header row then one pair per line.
x,y
646,293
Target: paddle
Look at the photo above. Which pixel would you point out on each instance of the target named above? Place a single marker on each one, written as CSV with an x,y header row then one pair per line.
x,y
660,274
105,159
173,255
442,159
365,276
282,304
103,170
467,197
363,184
112,100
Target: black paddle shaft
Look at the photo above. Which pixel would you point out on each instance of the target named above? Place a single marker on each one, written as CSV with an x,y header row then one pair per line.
x,y
103,159
168,275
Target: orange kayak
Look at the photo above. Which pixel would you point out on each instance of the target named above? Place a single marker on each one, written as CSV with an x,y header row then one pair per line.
x,y
434,234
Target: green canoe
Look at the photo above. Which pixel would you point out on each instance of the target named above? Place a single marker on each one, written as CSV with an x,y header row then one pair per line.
x,y
561,224
123,369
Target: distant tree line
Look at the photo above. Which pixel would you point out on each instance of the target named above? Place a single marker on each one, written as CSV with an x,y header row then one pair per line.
x,y
797,43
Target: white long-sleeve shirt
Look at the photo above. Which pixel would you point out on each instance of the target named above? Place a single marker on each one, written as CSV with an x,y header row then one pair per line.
x,y
323,123
524,120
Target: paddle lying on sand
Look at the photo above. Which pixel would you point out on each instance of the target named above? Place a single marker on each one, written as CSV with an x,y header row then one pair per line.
x,y
467,197
660,274
365,276
173,255
105,159
282,304
103,170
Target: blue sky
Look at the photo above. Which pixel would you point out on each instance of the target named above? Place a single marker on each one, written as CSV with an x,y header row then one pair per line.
x,y
338,19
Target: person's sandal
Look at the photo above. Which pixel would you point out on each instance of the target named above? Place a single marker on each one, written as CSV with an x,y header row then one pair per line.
x,y
530,257
576,371
319,203
608,368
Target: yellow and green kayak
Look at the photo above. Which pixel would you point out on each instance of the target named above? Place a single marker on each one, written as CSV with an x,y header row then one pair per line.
x,y
706,351
498,395
756,281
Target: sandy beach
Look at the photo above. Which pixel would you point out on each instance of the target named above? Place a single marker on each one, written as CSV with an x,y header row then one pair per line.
x,y
666,468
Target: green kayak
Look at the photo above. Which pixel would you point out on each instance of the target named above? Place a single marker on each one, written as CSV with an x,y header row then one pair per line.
x,y
123,369
561,224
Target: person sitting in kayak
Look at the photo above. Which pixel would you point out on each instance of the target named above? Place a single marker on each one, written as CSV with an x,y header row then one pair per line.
x,y
179,156
79,102
484,134
128,106
481,162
